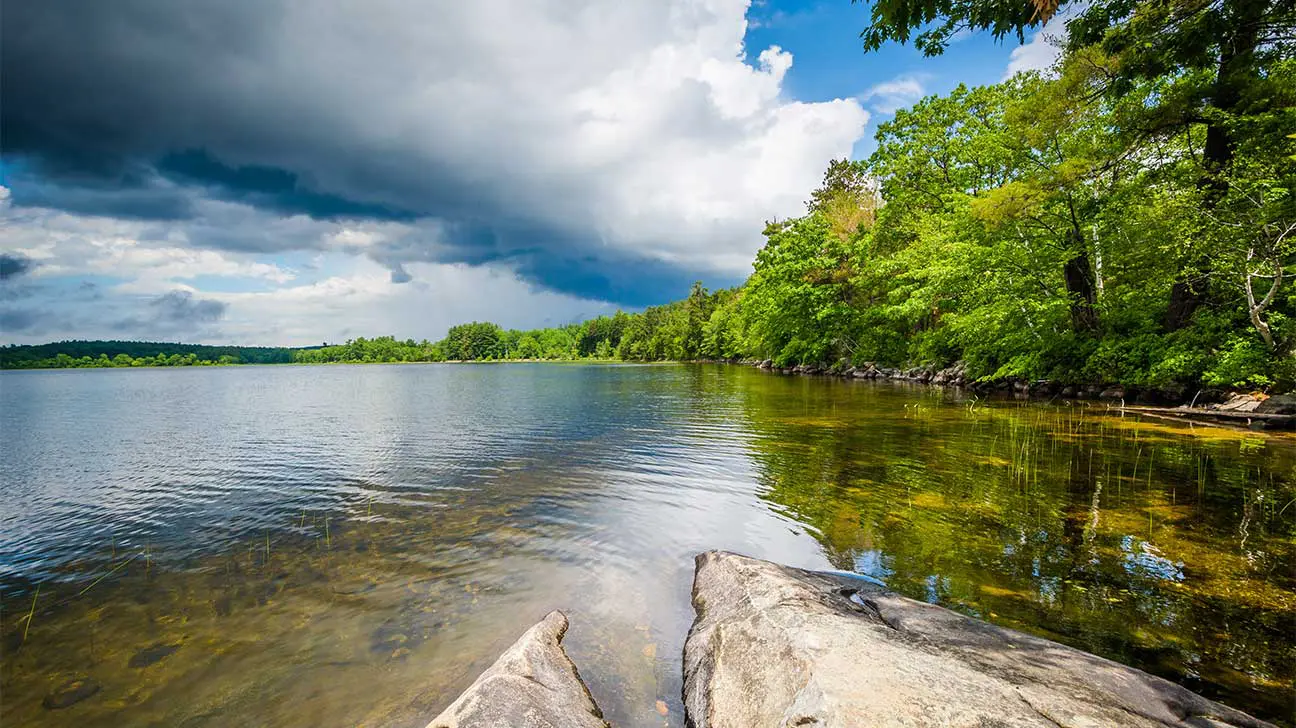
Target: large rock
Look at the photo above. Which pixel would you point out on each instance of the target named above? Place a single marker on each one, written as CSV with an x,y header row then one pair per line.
x,y
1279,404
532,685
776,646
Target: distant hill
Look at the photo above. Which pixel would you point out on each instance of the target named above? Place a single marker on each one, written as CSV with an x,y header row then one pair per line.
x,y
69,354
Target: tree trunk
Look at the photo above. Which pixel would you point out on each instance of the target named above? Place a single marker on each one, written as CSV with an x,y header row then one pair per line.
x,y
1186,295
1080,288
1256,308
1237,60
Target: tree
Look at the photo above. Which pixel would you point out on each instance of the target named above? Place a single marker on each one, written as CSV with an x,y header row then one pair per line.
x,y
599,331
799,297
896,20
1209,61
474,341
697,311
724,335
527,348
1064,164
848,198
1255,230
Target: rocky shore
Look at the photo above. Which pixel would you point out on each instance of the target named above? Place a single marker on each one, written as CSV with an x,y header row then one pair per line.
x,y
956,375
533,684
776,646
1212,406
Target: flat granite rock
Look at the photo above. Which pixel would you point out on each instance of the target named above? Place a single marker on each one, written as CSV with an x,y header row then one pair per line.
x,y
777,646
532,685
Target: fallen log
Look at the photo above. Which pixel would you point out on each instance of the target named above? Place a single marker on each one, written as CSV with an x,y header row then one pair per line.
x,y
1253,420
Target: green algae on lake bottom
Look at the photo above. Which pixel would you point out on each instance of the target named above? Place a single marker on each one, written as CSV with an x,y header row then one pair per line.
x,y
1167,548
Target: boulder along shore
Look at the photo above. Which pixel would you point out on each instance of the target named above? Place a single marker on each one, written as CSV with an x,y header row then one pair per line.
x,y
772,645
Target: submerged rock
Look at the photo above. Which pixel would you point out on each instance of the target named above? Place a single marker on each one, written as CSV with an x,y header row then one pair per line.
x,y
1112,393
70,693
152,655
533,684
776,646
223,605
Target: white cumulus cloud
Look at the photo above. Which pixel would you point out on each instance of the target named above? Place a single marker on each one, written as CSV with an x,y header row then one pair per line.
x,y
890,96
1044,47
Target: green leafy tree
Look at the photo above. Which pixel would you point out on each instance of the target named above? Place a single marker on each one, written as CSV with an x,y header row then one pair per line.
x,y
1211,65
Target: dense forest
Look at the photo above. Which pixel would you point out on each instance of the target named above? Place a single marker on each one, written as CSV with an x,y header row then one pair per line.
x,y
1127,217
77,354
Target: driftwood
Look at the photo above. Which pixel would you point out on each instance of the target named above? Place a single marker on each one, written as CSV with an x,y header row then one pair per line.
x,y
1254,420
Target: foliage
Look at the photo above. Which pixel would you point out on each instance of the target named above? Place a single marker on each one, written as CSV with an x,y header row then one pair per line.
x,y
80,354
676,331
938,20
362,350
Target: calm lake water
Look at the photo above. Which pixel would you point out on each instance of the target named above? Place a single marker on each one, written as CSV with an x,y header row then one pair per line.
x,y
351,545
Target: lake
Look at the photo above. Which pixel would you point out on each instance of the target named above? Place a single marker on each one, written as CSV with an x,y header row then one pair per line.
x,y
351,545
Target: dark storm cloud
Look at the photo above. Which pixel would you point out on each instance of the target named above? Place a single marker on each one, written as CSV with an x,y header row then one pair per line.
x,y
119,198
269,188
92,88
13,265
180,307
145,108
13,320
631,282
177,313
565,262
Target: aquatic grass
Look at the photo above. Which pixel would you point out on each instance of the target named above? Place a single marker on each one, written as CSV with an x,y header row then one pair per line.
x,y
1284,508
115,569
30,614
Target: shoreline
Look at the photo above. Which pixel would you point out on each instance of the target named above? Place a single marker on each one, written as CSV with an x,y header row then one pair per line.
x,y
1221,407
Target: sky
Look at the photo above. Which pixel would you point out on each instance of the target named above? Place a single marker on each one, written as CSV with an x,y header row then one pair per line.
x,y
291,172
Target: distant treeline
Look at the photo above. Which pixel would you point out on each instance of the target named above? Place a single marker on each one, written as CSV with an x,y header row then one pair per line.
x,y
79,354
675,331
